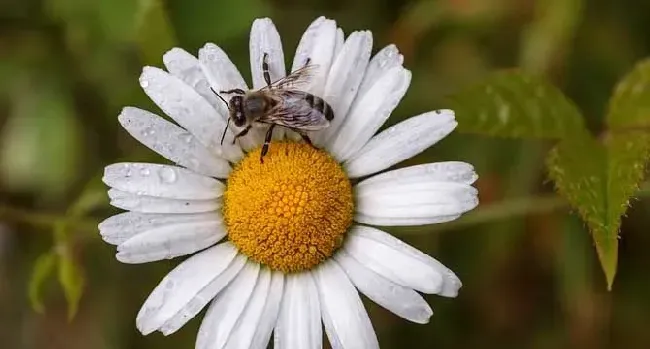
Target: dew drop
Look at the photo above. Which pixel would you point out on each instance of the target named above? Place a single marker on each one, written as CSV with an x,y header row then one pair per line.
x,y
145,172
167,175
144,83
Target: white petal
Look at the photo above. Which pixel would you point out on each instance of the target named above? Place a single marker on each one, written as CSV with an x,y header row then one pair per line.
x,y
424,199
447,171
205,295
183,104
270,313
222,74
152,204
402,221
227,308
338,44
399,262
299,322
162,181
170,241
317,43
369,112
121,227
344,79
172,142
186,67
242,336
386,59
401,142
182,284
401,301
265,39
400,268
346,322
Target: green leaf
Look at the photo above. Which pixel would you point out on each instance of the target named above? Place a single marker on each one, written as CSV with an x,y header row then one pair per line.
x,y
515,104
629,108
43,268
599,179
72,281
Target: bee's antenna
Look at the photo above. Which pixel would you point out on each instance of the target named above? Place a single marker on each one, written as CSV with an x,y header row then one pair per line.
x,y
221,98
224,131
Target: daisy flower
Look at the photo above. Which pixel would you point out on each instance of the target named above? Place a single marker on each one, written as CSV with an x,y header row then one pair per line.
x,y
283,247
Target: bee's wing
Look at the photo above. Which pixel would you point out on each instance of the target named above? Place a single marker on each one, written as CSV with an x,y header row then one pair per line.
x,y
297,80
294,111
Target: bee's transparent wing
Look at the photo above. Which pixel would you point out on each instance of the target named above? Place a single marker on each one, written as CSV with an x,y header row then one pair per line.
x,y
294,111
297,80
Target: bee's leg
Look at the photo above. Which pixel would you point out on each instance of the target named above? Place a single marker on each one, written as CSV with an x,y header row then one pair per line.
x,y
234,90
267,141
242,133
308,140
307,61
265,69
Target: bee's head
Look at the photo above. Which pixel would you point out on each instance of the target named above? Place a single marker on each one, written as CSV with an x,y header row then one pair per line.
x,y
237,111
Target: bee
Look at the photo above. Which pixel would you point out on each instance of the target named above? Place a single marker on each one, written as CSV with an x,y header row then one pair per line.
x,y
279,103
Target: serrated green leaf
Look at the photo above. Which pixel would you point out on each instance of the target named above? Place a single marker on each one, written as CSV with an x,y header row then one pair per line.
x,y
578,166
600,179
515,104
43,268
72,281
629,107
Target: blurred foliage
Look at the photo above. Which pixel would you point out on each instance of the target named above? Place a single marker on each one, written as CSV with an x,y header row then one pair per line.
x,y
530,276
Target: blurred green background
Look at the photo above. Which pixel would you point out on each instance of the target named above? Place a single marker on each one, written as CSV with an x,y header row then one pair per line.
x,y
531,275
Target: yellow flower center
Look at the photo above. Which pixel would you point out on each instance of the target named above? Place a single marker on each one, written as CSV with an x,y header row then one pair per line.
x,y
290,212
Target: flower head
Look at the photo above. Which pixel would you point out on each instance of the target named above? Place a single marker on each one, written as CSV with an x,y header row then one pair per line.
x,y
299,237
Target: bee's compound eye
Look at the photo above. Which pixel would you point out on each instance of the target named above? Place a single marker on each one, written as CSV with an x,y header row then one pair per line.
x,y
239,119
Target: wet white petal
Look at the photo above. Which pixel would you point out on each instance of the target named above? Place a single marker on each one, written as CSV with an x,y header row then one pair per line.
x,y
403,221
447,171
344,79
317,43
183,104
227,308
386,59
152,204
369,112
242,336
172,142
401,142
299,322
265,39
205,295
346,322
121,227
269,315
398,267
186,67
162,181
425,199
401,301
400,263
182,284
222,74
170,241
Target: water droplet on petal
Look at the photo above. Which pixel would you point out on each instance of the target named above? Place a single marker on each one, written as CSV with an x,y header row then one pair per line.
x,y
144,83
145,172
167,175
